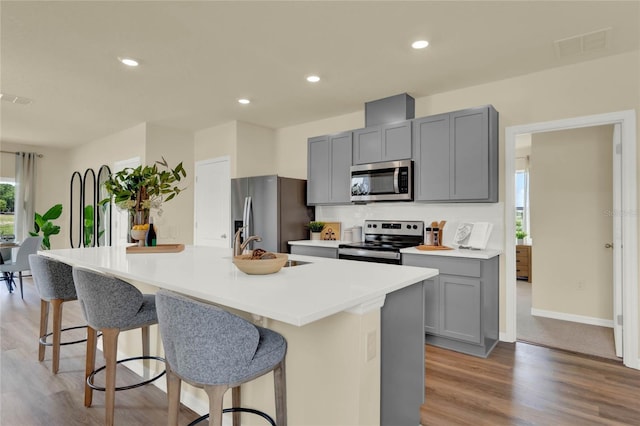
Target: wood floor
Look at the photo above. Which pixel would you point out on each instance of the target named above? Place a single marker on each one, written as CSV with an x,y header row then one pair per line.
x,y
518,384
522,384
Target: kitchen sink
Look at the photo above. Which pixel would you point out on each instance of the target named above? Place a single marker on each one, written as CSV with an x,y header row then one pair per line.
x,y
291,263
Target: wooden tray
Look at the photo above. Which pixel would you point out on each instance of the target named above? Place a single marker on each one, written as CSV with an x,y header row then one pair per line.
x,y
160,248
432,248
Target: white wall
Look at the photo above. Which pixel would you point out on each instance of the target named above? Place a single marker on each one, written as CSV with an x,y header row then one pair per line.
x,y
255,150
217,142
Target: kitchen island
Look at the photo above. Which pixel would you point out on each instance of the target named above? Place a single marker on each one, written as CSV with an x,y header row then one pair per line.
x,y
354,330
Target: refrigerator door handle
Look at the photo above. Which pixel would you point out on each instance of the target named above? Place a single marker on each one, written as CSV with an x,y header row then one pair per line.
x,y
249,230
245,232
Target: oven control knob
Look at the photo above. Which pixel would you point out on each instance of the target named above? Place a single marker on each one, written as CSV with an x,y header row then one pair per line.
x,y
375,226
408,226
415,226
369,225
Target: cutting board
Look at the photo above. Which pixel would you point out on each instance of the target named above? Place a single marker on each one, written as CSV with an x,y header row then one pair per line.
x,y
331,231
160,248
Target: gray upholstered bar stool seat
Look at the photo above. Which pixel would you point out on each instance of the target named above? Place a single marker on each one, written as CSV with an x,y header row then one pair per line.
x,y
54,282
213,349
111,305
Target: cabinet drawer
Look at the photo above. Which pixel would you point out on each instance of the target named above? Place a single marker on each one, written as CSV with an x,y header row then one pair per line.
x,y
522,271
522,261
446,265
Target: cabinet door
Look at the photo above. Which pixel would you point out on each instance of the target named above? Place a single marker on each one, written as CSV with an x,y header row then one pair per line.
x,y
460,308
396,141
431,306
431,158
367,145
331,253
318,170
341,155
469,153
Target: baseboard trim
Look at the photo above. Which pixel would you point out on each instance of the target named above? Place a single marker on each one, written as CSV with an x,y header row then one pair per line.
x,y
572,317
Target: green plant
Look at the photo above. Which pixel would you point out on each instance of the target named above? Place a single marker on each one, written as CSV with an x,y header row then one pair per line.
x,y
43,223
316,226
520,233
88,226
144,187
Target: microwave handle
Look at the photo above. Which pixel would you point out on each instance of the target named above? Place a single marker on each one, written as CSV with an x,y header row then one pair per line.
x,y
396,178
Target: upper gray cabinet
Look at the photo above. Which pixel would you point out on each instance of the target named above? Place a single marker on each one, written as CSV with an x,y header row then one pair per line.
x,y
456,156
387,142
328,169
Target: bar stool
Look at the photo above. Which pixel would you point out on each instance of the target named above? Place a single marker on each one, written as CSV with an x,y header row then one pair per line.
x,y
54,282
213,349
111,305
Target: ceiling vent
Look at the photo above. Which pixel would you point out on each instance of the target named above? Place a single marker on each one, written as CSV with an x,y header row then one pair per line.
x,y
15,99
583,43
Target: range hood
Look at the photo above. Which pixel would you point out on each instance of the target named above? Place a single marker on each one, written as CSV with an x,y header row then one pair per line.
x,y
389,110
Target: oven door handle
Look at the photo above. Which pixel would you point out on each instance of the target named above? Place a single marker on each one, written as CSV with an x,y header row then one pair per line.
x,y
369,253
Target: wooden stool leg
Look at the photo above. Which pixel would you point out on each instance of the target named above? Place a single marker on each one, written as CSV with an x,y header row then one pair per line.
x,y
90,364
216,394
57,327
280,389
236,401
173,396
44,322
110,350
146,363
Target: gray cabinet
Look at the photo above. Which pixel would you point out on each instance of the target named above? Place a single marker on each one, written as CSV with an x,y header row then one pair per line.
x,y
461,304
328,169
456,156
387,142
329,252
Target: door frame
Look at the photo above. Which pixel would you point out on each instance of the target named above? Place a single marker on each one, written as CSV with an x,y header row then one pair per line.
x,y
627,208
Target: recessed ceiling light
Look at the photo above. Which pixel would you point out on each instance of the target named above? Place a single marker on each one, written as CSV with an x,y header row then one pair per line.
x,y
129,62
244,101
313,79
420,44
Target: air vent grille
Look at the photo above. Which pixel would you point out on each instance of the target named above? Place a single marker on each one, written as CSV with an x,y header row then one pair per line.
x,y
583,43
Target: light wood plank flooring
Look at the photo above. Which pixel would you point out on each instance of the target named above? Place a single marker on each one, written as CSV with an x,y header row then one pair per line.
x,y
518,384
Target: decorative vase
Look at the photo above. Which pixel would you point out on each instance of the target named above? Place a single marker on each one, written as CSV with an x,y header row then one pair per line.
x,y
137,217
316,235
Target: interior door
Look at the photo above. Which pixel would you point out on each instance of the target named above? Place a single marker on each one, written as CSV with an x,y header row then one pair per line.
x,y
212,203
617,243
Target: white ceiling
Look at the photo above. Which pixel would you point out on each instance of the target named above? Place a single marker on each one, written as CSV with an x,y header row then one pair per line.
x,y
198,58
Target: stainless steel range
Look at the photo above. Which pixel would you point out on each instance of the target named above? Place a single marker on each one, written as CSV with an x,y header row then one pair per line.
x,y
383,240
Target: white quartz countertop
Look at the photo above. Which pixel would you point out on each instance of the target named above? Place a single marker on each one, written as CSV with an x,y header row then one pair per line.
x,y
295,295
466,253
318,243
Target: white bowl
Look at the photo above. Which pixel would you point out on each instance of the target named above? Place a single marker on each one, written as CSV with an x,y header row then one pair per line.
x,y
260,266
138,234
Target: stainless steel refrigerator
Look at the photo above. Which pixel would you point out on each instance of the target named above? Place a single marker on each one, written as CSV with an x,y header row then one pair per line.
x,y
273,208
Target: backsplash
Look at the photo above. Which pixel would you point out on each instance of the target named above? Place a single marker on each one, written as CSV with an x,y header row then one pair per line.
x,y
355,215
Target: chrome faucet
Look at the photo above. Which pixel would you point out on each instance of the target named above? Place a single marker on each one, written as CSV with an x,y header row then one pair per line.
x,y
238,248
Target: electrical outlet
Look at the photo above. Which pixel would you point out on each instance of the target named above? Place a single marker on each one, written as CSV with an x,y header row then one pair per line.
x,y
371,345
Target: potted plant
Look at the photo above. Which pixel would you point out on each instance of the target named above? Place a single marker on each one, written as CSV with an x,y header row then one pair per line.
x,y
43,223
520,233
316,229
144,188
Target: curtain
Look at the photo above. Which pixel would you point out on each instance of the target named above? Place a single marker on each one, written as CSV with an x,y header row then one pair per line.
x,y
25,194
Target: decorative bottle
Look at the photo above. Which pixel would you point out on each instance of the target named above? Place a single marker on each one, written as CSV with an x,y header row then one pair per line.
x,y
150,238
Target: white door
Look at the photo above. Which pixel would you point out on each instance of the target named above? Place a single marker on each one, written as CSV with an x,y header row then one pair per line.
x,y
121,217
617,243
212,203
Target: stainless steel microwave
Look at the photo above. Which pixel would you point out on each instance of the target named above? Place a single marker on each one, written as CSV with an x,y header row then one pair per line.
x,y
388,181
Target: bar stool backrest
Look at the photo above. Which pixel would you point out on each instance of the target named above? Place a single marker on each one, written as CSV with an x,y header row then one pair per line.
x,y
106,301
53,279
203,343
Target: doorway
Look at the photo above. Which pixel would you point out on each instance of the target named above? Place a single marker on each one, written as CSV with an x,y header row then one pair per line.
x,y
566,302
624,213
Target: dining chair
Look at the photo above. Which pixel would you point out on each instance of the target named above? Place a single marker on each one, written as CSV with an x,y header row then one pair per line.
x,y
30,245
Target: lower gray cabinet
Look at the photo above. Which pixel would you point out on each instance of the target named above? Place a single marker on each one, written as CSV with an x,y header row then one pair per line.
x,y
461,303
331,253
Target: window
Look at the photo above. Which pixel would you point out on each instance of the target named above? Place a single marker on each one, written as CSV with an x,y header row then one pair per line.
x,y
7,201
522,201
